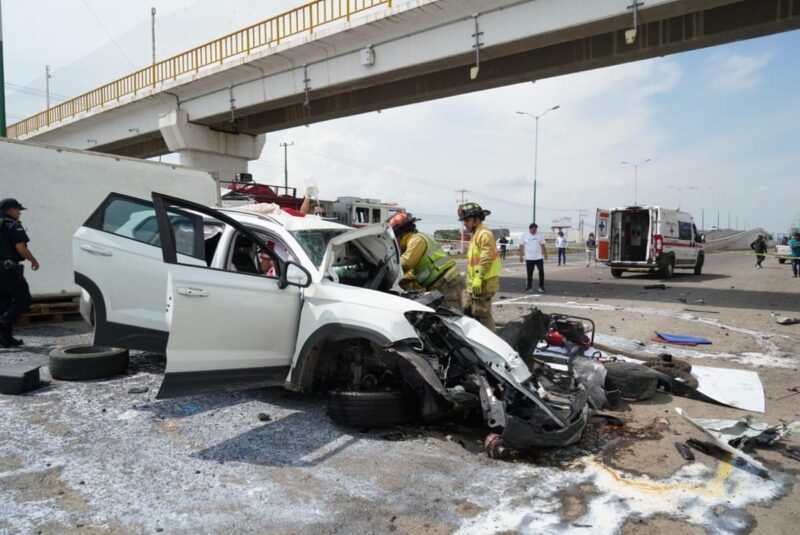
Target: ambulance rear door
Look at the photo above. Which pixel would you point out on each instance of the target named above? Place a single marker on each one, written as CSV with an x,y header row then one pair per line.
x,y
602,232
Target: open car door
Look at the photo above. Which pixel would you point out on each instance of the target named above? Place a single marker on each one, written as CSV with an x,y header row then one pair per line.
x,y
602,231
372,248
233,322
117,260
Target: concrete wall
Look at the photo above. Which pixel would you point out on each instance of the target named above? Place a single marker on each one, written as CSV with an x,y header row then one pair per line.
x,y
61,187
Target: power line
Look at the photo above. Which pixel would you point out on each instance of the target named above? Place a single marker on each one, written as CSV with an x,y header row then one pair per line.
x,y
96,18
33,92
417,180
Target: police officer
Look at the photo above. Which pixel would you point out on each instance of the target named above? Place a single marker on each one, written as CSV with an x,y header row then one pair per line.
x,y
15,297
483,264
425,264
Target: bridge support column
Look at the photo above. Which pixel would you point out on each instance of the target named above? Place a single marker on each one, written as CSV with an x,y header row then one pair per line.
x,y
203,148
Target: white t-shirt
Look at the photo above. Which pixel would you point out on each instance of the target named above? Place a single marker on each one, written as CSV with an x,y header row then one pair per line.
x,y
561,242
533,246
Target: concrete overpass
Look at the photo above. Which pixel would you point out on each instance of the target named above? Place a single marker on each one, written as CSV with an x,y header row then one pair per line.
x,y
335,58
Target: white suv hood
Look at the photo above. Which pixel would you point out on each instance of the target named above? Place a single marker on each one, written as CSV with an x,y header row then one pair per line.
x,y
376,241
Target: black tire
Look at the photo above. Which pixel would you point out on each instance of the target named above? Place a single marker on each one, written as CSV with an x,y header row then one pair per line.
x,y
616,273
84,361
676,373
634,381
372,409
781,260
698,267
668,269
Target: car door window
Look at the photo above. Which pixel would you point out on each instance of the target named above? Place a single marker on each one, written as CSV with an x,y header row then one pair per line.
x,y
136,219
685,231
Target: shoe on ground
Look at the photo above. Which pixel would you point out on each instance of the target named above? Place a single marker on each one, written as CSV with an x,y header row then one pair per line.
x,y
10,341
541,290
528,290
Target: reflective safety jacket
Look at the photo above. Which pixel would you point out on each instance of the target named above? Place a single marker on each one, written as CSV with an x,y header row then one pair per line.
x,y
483,260
424,258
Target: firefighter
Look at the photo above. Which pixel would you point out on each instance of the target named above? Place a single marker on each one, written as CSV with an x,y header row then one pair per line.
x,y
425,264
483,264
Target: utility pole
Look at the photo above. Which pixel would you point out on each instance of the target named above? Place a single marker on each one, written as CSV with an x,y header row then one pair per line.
x,y
463,193
2,81
286,164
47,84
153,31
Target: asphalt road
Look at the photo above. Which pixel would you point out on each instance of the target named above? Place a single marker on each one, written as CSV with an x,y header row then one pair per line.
x,y
89,457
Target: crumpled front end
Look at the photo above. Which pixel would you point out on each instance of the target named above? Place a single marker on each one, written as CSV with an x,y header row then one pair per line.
x,y
472,369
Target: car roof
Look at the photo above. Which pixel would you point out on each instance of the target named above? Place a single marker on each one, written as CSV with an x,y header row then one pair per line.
x,y
287,221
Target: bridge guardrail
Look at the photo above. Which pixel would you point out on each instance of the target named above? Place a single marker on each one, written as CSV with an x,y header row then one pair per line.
x,y
301,19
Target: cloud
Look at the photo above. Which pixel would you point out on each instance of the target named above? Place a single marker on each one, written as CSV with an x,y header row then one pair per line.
x,y
735,73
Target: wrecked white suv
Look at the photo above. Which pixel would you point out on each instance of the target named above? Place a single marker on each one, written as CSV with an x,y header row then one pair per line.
x,y
240,300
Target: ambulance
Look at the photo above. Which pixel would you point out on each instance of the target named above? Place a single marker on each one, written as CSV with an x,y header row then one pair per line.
x,y
648,239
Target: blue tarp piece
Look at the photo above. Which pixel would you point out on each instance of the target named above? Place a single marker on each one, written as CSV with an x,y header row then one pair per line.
x,y
680,339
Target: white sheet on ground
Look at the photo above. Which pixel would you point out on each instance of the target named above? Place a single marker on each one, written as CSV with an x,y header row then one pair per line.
x,y
741,389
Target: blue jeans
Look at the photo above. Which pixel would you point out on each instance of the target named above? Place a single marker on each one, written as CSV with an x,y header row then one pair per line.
x,y
562,255
796,266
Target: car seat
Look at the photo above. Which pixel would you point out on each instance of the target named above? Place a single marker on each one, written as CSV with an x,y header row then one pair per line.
x,y
243,258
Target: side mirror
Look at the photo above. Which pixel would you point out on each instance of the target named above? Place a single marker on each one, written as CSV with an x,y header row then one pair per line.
x,y
702,238
294,274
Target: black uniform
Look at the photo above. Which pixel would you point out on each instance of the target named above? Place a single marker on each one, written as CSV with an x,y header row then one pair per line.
x,y
15,296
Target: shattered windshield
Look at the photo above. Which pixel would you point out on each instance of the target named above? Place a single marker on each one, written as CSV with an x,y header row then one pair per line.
x,y
315,242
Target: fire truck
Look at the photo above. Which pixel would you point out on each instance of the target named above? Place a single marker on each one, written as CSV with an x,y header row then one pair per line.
x,y
352,211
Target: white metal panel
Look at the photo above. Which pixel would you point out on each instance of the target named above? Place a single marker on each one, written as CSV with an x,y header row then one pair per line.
x,y
62,187
224,320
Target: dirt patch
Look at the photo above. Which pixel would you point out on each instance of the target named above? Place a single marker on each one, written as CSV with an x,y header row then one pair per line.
x,y
9,463
79,528
44,485
658,525
468,509
574,503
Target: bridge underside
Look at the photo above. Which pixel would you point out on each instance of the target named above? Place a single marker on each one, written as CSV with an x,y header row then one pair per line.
x,y
587,47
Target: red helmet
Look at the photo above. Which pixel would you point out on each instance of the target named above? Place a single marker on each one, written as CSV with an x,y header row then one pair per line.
x,y
401,222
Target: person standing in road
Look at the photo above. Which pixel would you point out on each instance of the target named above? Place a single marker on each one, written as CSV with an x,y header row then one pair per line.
x,y
561,248
483,264
591,249
15,296
532,249
503,241
794,243
760,248
425,264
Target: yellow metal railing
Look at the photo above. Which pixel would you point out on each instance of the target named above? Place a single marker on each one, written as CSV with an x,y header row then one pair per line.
x,y
304,18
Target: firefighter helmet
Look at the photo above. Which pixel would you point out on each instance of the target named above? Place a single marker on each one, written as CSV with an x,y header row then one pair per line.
x,y
472,209
402,222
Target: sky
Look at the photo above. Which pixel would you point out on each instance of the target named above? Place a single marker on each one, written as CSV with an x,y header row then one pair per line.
x,y
721,126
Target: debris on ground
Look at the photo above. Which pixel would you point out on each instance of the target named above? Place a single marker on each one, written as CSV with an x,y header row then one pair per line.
x,y
264,417
780,319
679,339
685,451
655,287
19,378
738,437
138,389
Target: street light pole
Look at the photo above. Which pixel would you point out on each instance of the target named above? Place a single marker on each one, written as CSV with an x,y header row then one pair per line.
x,y
536,151
153,32
286,165
2,81
636,178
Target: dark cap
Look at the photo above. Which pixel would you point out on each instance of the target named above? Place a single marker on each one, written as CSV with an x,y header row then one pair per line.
x,y
5,204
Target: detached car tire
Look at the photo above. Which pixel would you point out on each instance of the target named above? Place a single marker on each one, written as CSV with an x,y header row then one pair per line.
x,y
634,381
84,361
382,408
